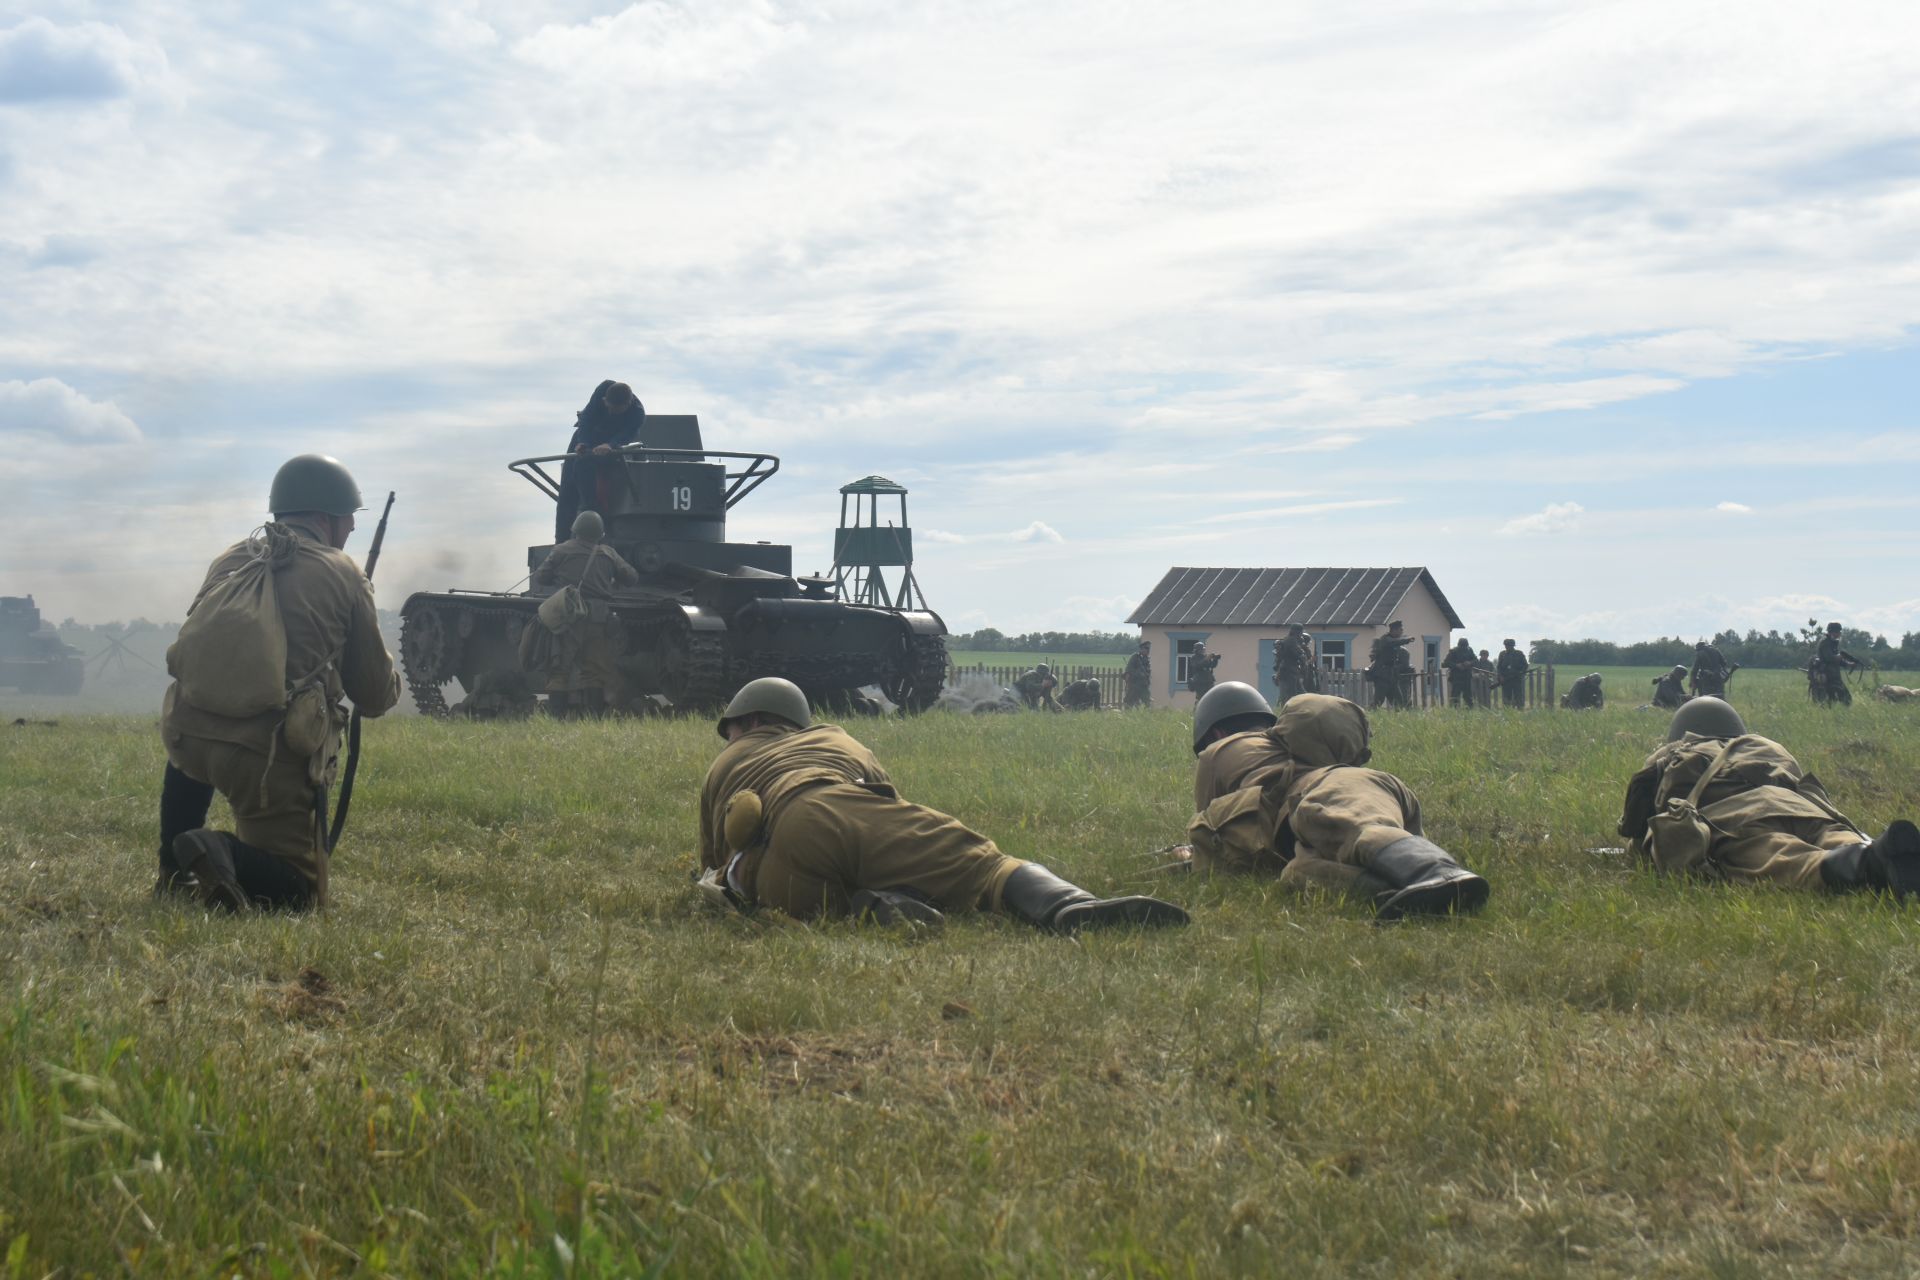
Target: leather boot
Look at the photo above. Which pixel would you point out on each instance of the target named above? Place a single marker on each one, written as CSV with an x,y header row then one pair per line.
x,y
173,884
1425,880
1891,862
206,855
895,906
1044,900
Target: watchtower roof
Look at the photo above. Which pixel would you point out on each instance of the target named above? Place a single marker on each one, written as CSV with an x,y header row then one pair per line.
x,y
872,484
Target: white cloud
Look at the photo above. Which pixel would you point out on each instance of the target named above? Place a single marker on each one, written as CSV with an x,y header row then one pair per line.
x,y
50,409
1558,517
41,62
1735,508
1038,531
1299,509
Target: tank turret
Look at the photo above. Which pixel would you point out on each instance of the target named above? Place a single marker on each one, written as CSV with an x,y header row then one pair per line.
x,y
707,615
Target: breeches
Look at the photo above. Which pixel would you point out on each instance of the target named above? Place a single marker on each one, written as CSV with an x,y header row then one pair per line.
x,y
273,804
1341,819
1784,850
828,842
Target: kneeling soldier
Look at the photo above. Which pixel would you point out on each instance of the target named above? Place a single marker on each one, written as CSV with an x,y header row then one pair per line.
x,y
1721,802
1287,795
801,817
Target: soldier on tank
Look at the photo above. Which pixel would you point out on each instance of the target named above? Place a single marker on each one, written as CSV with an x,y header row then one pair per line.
x,y
801,818
1458,664
1710,671
1035,687
1827,676
1139,676
274,766
1294,668
1389,669
1081,695
577,663
1201,667
1288,796
1670,690
612,417
1585,695
1511,670
1719,802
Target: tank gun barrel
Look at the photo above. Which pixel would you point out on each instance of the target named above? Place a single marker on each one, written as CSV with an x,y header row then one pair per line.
x,y
759,468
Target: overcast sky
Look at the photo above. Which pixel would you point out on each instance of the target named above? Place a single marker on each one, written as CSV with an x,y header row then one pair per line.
x,y
1605,312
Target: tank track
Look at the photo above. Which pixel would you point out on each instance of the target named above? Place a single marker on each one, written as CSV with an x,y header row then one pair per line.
x,y
430,651
706,683
926,672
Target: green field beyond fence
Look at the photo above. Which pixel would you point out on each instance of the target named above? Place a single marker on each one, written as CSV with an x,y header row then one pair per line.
x,y
517,1046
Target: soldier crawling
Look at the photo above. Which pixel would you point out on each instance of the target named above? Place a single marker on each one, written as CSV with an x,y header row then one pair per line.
x,y
801,818
1287,796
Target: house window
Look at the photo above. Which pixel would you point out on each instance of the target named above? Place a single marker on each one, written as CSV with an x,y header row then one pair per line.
x,y
1183,653
1433,655
1333,655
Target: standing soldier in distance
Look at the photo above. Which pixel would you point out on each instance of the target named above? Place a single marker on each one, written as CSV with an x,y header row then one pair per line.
x,y
1458,665
802,818
580,659
1035,687
1511,668
1828,671
1200,669
1719,802
1140,676
1710,671
1483,679
1294,669
1389,669
1287,796
274,767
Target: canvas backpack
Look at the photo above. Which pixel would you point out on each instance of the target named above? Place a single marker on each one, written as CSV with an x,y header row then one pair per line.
x,y
1678,836
231,654
567,607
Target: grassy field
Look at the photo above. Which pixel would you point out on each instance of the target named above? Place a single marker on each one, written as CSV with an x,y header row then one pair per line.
x,y
1073,661
516,1046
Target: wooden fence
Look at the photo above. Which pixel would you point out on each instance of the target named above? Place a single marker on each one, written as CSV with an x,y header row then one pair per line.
x,y
1427,688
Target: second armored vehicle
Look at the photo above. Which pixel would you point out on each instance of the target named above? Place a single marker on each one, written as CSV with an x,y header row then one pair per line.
x,y
33,657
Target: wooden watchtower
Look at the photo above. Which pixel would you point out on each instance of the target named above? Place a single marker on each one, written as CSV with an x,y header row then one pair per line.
x,y
864,550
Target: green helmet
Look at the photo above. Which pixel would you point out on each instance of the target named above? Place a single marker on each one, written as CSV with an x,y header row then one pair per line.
x,y
1679,669
1708,717
1223,702
314,482
589,527
1043,668
769,695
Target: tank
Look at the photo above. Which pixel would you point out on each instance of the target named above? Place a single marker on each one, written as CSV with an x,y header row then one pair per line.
x,y
33,657
707,616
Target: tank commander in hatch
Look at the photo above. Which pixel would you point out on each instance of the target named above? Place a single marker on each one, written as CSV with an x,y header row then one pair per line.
x,y
613,416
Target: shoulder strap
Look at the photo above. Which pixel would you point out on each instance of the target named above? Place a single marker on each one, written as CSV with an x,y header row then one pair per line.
x,y
1712,771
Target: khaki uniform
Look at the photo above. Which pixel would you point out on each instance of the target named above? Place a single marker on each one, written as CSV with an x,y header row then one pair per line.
x,y
581,657
326,606
833,824
1770,819
1278,801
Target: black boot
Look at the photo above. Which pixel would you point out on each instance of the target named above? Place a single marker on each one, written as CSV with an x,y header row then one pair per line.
x,y
1892,862
895,906
1045,901
1426,881
206,855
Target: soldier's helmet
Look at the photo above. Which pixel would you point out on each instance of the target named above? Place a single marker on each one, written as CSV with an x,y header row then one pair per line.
x,y
1043,668
1320,730
1833,628
589,527
1594,676
769,695
1708,717
1679,669
314,482
1222,702
1395,627
1507,643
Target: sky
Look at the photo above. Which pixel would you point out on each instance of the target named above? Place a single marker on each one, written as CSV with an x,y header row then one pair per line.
x,y
1604,312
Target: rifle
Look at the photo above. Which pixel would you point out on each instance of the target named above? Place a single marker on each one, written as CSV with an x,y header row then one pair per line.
x,y
353,727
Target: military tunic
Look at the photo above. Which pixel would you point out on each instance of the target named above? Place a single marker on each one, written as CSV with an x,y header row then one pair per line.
x,y
1294,671
1669,691
583,656
1511,668
1139,680
833,824
1458,665
1710,672
1769,819
326,607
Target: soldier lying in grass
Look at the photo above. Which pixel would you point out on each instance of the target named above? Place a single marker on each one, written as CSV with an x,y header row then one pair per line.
x,y
1287,796
802,818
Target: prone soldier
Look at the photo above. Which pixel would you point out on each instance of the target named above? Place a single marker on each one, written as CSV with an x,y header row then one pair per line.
x,y
1719,802
1288,796
801,818
273,763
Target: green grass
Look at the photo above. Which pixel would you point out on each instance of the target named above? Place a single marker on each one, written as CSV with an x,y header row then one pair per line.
x,y
986,658
516,1038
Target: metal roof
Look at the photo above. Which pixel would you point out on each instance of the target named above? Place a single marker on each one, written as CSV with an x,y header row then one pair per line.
x,y
1281,597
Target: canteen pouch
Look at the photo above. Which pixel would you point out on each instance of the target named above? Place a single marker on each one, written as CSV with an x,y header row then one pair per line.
x,y
309,725
743,821
1234,835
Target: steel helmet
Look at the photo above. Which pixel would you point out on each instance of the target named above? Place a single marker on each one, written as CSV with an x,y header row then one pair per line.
x,y
314,482
1708,717
1223,702
769,695
589,527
